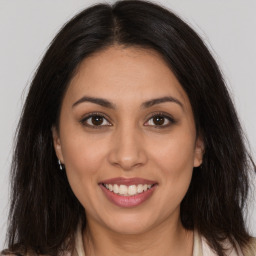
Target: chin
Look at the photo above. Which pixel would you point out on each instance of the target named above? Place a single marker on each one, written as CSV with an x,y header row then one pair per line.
x,y
130,224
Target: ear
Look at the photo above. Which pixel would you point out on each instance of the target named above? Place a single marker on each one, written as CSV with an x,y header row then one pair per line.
x,y
199,151
57,144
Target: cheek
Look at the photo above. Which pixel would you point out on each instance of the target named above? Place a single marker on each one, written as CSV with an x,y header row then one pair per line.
x,y
177,168
174,155
174,159
84,161
84,158
83,154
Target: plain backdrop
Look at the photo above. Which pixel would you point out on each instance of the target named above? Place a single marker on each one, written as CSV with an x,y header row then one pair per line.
x,y
28,26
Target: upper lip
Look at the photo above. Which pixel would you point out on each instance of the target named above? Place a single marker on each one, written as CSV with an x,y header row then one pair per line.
x,y
128,181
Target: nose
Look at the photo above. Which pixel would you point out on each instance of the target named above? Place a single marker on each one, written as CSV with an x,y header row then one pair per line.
x,y
127,149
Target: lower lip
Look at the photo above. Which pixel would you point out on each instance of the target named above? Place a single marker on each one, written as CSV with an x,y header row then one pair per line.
x,y
128,201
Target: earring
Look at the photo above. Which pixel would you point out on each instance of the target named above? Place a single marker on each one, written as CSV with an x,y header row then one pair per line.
x,y
60,165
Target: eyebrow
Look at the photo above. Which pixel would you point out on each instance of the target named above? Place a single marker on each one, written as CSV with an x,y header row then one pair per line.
x,y
153,102
107,104
98,101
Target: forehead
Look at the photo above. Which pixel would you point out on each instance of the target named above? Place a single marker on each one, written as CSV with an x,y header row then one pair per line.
x,y
126,73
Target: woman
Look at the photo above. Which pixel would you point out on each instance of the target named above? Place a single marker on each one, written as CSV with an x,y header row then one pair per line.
x,y
129,143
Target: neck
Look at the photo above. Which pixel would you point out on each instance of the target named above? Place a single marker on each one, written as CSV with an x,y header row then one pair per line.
x,y
166,239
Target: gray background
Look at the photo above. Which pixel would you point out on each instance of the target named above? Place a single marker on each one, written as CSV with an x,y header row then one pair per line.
x,y
27,27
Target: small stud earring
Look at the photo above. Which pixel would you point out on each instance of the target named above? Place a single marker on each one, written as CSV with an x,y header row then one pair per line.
x,y
60,165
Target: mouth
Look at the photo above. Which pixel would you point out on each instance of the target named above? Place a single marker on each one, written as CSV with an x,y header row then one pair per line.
x,y
130,192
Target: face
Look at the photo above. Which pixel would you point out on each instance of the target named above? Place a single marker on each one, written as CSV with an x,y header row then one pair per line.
x,y
127,139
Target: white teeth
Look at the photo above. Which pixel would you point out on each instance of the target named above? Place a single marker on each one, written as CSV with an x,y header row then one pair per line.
x,y
132,190
123,190
116,189
140,188
127,190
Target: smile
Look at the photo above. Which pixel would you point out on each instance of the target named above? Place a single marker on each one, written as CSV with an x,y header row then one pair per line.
x,y
128,192
124,190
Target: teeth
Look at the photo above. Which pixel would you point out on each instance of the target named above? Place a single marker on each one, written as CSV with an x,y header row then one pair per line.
x,y
140,188
123,190
116,189
132,190
128,190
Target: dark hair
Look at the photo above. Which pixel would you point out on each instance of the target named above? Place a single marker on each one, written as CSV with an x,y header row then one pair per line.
x,y
44,211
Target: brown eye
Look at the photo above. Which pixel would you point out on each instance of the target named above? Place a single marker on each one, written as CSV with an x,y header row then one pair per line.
x,y
158,120
95,120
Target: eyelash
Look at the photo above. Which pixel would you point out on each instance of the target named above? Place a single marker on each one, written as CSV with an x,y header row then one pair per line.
x,y
91,115
167,117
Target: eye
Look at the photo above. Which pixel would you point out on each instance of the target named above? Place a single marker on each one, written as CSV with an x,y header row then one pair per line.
x,y
160,120
95,121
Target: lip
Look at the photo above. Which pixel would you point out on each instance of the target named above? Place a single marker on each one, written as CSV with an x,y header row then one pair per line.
x,y
128,201
128,181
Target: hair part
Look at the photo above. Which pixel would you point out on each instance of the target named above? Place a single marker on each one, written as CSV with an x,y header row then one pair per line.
x,y
44,211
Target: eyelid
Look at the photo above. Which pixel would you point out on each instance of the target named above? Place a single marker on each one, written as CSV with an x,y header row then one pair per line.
x,y
164,115
92,114
152,115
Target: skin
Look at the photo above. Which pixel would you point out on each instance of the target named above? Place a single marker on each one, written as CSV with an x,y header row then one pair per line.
x,y
129,143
